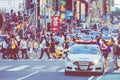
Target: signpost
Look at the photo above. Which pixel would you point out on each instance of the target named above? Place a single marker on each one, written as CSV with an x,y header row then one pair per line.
x,y
55,23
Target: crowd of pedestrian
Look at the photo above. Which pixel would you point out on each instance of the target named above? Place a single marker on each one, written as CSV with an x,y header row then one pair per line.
x,y
14,46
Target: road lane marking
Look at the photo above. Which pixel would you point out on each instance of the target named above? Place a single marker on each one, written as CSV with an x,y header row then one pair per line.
x,y
18,68
5,67
99,78
28,75
54,67
91,78
102,75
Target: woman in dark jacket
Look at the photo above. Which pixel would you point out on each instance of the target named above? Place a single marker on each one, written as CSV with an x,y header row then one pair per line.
x,y
116,52
52,47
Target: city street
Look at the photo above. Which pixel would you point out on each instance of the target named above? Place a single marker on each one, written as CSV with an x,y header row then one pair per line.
x,y
59,39
35,69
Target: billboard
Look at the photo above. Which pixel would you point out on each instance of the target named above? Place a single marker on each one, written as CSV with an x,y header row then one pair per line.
x,y
55,23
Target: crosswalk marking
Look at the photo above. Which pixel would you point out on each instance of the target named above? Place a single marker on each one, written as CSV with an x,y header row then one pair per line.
x,y
38,67
18,68
117,71
41,68
5,67
54,67
61,70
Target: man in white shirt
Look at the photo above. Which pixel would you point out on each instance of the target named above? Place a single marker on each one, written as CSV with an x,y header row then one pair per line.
x,y
23,45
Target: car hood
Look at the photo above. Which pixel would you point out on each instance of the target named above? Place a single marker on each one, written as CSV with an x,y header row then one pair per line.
x,y
83,57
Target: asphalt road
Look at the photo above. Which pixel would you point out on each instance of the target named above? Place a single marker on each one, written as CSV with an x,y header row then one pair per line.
x,y
35,69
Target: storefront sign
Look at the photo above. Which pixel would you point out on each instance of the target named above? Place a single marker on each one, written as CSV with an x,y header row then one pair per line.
x,y
55,23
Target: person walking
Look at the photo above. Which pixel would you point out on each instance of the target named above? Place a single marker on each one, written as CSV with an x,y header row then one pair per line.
x,y
65,48
45,47
30,48
104,48
52,48
116,51
35,47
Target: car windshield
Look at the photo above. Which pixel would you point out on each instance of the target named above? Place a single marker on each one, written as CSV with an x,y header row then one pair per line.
x,y
84,50
95,33
106,37
105,29
115,31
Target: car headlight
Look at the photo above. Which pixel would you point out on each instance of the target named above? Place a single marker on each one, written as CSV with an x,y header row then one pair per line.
x,y
96,61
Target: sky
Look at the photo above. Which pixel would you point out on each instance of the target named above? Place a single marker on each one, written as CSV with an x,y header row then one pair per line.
x,y
7,5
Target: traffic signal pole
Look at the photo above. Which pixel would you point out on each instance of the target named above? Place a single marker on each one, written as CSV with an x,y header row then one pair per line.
x,y
72,12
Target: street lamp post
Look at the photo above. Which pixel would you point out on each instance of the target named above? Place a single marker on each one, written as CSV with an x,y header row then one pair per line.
x,y
23,12
35,6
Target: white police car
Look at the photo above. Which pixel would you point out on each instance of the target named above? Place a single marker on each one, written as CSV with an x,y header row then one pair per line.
x,y
84,58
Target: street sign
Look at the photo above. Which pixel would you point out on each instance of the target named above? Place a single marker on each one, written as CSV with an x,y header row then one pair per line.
x,y
55,23
67,14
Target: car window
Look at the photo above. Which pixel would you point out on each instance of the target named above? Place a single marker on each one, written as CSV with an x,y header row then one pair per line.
x,y
84,50
106,38
86,38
